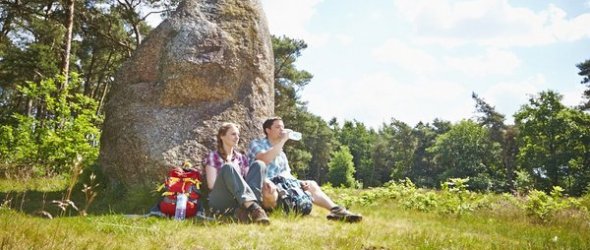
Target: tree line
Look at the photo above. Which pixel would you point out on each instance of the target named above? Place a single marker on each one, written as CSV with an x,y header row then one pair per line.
x,y
48,120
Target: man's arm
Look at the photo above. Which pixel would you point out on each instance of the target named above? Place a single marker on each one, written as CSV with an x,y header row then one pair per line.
x,y
272,153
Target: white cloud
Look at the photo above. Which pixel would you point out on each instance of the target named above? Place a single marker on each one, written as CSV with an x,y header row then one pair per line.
x,y
344,39
416,60
490,22
508,96
374,99
516,90
573,97
405,56
571,30
493,62
290,18
376,15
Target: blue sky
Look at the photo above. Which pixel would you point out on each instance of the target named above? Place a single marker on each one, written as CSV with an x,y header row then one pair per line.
x,y
417,60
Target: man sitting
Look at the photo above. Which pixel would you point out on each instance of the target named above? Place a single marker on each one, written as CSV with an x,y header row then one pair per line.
x,y
270,150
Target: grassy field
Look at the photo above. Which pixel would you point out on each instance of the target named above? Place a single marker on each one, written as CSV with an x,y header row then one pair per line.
x,y
387,225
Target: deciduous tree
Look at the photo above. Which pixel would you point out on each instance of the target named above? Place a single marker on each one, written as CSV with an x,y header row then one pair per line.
x,y
584,68
543,147
341,168
466,151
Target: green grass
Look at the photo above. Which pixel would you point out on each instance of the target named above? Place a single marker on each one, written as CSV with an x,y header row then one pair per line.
x,y
386,225
34,184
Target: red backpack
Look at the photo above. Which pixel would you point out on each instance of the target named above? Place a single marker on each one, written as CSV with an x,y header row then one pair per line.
x,y
180,181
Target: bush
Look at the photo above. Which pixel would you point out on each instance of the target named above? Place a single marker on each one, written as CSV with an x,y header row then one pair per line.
x,y
542,207
455,198
585,201
523,182
423,202
63,128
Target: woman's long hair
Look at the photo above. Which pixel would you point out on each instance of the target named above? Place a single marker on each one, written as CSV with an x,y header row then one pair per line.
x,y
222,131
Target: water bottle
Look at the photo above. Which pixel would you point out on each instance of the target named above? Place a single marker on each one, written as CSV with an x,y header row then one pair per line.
x,y
293,135
180,212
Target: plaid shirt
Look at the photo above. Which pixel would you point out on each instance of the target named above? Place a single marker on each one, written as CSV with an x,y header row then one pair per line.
x,y
278,166
238,161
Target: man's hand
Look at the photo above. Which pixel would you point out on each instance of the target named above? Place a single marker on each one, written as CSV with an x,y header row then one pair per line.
x,y
304,185
284,136
269,194
269,186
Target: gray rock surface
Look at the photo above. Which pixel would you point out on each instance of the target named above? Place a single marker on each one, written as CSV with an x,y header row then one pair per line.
x,y
209,63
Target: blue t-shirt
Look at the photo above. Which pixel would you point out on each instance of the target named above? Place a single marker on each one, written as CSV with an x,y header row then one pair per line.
x,y
278,166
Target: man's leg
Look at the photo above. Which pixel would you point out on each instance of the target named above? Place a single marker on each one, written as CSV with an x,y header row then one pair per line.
x,y
321,199
255,178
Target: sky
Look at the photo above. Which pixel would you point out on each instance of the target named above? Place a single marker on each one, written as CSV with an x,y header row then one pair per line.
x,y
418,60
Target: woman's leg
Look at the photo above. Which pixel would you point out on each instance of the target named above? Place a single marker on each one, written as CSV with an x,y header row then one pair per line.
x,y
229,191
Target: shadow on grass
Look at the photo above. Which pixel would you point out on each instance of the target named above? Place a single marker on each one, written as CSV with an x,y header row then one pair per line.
x,y
38,202
44,197
32,202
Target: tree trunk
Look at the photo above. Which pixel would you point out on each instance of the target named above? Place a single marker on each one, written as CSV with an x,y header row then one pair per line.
x,y
69,24
104,95
5,27
101,78
89,73
137,35
30,107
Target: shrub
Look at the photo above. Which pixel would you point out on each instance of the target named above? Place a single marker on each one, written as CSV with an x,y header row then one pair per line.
x,y
455,198
421,201
542,206
585,201
64,127
523,182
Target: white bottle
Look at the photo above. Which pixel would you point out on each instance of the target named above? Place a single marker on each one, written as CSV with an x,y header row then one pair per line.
x,y
180,212
293,135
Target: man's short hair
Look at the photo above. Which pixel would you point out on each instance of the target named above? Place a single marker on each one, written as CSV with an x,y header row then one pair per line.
x,y
268,123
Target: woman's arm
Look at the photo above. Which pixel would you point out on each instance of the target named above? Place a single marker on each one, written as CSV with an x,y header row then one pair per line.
x,y
211,174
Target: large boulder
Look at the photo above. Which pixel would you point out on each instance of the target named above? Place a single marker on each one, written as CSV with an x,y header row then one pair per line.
x,y
209,63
